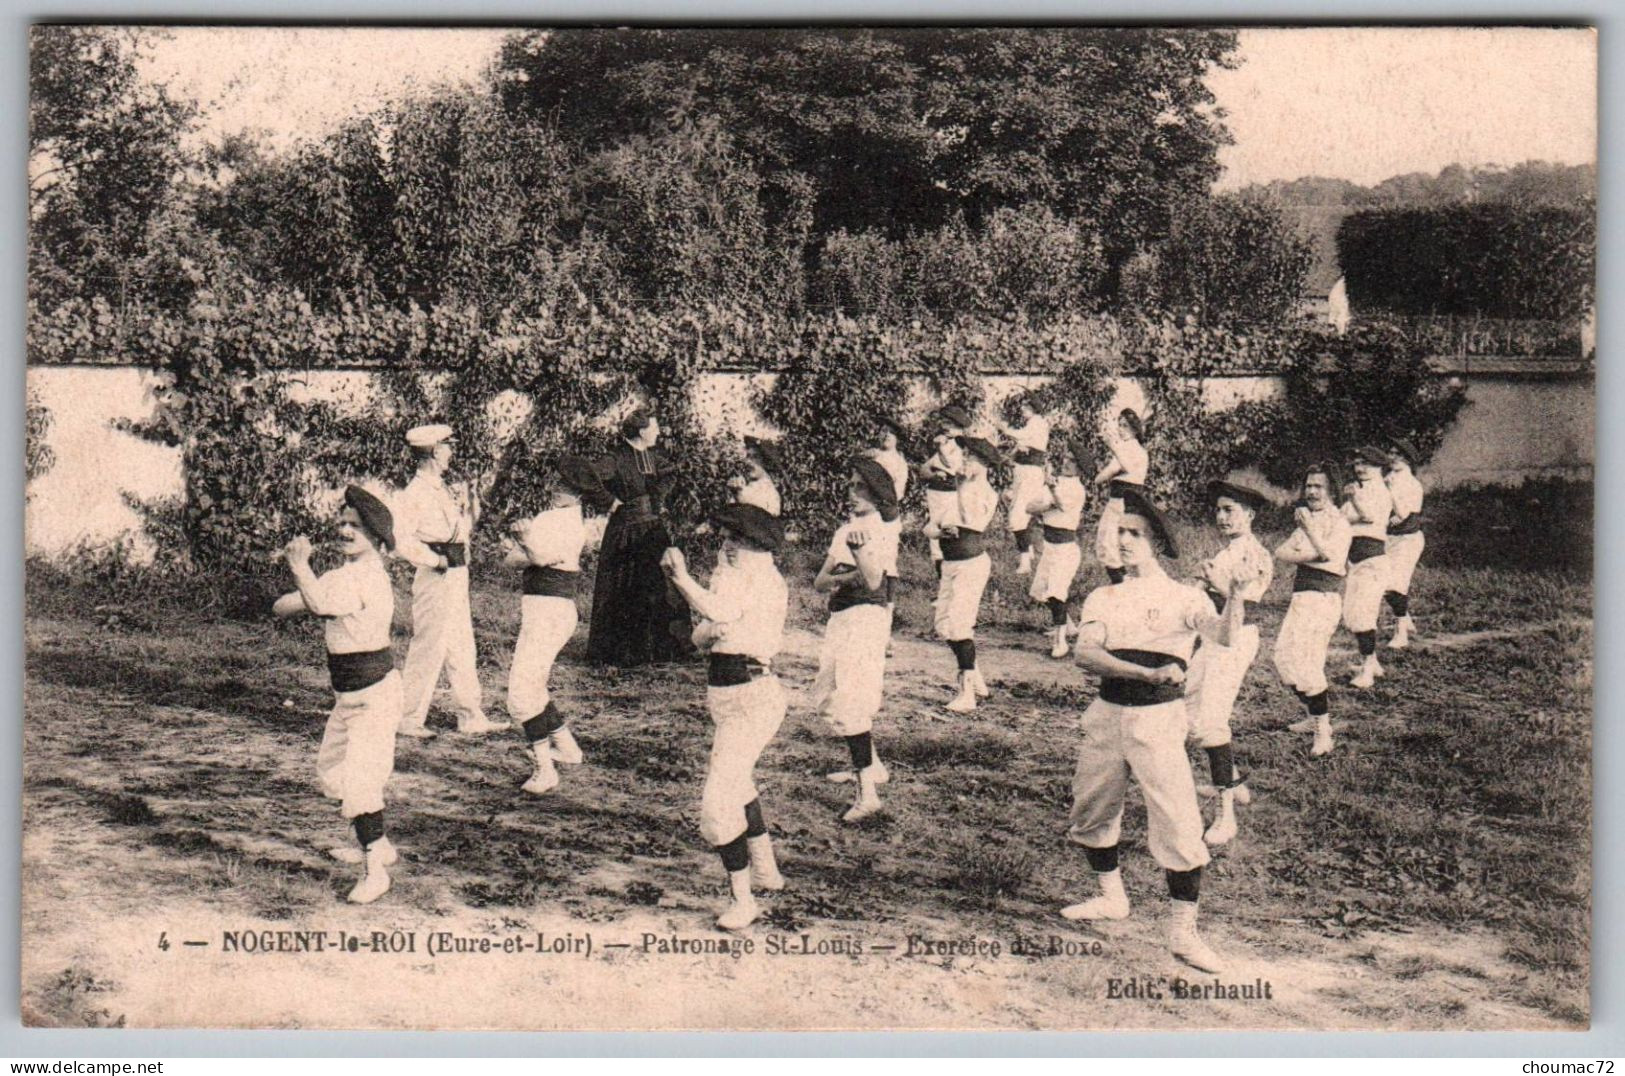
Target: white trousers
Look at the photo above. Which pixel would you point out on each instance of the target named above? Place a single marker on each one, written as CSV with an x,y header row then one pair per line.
x,y
1404,550
1025,482
1212,683
545,625
1148,742
746,718
358,746
1362,593
852,668
938,503
442,637
1057,566
1106,550
959,596
1306,633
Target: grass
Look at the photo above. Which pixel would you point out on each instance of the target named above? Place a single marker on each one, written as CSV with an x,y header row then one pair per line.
x,y
182,739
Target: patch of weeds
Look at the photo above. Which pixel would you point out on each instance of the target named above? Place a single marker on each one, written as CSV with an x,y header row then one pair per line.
x,y
646,893
930,751
128,810
70,1000
991,873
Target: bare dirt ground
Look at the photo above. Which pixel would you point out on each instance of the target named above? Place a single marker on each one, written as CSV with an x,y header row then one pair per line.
x,y
1431,873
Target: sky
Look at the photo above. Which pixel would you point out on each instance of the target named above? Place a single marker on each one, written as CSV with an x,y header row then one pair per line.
x,y
1361,104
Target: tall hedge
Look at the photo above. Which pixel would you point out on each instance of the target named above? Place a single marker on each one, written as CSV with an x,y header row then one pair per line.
x,y
1493,259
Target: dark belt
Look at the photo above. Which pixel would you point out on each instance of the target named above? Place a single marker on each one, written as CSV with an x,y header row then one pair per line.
x,y
1316,579
850,594
1030,457
1411,524
456,553
548,582
1120,487
1059,535
967,546
637,509
358,670
1364,547
1125,692
941,483
731,670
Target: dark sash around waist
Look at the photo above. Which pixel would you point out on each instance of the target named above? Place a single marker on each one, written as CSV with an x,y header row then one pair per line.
x,y
362,669
852,593
1030,457
1364,547
731,670
1411,524
456,553
1137,692
1120,487
549,582
968,545
941,483
1060,535
1316,579
637,510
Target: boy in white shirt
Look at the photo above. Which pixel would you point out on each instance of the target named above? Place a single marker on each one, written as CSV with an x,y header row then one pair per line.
x,y
1368,507
1405,538
1137,636
742,624
1058,503
1031,441
1319,550
858,574
548,547
356,604
941,471
959,526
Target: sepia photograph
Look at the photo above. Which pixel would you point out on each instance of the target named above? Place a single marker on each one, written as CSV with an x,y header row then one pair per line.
x,y
797,528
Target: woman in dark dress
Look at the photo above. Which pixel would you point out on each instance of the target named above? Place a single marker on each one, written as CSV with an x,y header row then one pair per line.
x,y
636,617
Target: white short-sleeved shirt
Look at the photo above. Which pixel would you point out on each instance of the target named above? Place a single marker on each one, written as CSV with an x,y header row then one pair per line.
x,y
762,493
1152,613
882,539
1034,434
1372,500
1135,459
1332,529
973,508
751,602
359,605
1243,558
554,537
1066,508
896,466
1406,492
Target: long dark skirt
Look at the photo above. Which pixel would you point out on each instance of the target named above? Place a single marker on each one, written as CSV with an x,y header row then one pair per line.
x,y
637,616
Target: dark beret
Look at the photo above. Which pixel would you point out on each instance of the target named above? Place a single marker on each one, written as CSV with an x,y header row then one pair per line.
x,y
877,482
983,449
374,513
1408,450
1136,503
752,524
1252,498
767,451
954,415
1370,454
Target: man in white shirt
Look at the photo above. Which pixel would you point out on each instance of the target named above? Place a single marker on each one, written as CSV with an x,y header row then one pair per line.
x,y
858,573
1137,636
1059,505
941,472
434,525
548,547
1319,549
1031,441
1405,538
959,527
1368,507
356,604
742,624
1239,573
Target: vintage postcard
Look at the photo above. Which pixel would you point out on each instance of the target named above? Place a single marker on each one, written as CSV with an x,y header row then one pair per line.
x,y
809,528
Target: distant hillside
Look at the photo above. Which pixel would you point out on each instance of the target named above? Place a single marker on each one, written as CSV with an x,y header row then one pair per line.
x,y
1533,183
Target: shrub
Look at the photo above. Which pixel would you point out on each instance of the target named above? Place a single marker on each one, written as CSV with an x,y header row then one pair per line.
x,y
38,456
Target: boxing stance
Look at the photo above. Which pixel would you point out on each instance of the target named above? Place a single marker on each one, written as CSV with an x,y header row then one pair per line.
x,y
356,605
1367,507
1137,636
1059,507
1124,473
1031,440
742,625
941,473
1318,549
1405,539
857,574
960,527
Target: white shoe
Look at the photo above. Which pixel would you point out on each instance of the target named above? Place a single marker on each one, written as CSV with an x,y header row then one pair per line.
x,y
375,883
1376,668
1323,743
564,747
479,725
1111,904
417,732
1185,943
1244,795
977,684
1402,634
1364,678
877,769
868,801
965,701
1024,565
1223,829
764,866
1060,649
1071,628
541,782
349,853
744,910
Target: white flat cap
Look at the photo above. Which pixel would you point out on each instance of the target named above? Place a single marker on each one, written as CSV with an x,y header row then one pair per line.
x,y
427,436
